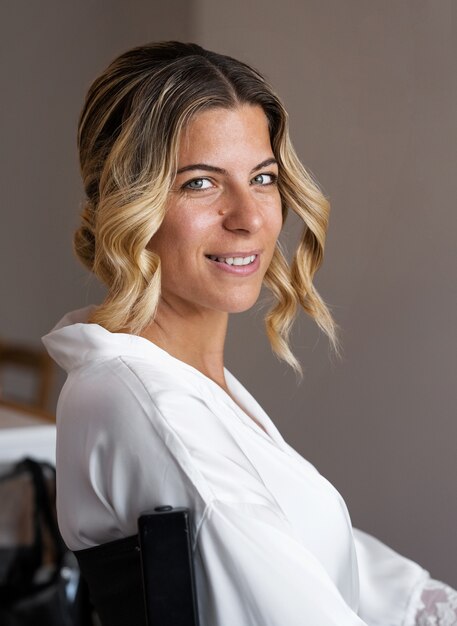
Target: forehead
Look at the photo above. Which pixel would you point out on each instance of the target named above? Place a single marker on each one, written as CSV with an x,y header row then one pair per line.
x,y
220,133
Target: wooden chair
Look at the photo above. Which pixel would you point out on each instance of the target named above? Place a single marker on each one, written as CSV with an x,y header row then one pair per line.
x,y
14,356
147,579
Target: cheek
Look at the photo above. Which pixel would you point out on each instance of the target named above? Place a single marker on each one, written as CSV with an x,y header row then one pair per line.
x,y
275,227
276,221
279,222
178,243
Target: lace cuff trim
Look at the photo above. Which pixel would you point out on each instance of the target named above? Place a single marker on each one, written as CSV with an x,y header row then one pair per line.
x,y
437,605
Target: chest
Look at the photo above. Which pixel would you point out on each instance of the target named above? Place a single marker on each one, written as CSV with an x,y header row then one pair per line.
x,y
243,463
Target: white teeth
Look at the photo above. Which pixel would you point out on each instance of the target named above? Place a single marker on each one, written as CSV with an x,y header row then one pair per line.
x,y
234,260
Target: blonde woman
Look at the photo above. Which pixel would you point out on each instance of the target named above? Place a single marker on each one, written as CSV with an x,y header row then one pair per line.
x,y
189,174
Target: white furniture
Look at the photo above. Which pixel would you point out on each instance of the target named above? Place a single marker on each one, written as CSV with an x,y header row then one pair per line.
x,y
24,434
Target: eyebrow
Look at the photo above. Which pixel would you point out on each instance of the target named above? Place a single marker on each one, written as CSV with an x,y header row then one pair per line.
x,y
220,170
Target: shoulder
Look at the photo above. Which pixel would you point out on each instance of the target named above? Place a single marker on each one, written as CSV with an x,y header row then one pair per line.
x,y
117,455
120,388
130,408
134,409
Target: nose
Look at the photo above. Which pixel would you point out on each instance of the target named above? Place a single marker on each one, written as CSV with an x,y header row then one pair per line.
x,y
241,211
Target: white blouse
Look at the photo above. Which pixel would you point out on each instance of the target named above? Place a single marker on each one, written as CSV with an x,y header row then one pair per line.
x,y
273,541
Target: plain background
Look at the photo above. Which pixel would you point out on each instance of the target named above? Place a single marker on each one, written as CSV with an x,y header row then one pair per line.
x,y
371,89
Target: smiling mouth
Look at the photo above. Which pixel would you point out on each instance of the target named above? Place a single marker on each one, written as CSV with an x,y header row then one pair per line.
x,y
247,260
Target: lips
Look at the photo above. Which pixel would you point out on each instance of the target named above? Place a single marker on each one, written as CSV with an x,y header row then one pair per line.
x,y
236,253
239,260
236,269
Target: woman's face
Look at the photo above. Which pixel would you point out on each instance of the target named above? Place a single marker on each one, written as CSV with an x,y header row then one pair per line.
x,y
223,214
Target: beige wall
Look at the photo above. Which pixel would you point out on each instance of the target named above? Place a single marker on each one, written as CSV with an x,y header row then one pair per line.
x,y
50,53
372,95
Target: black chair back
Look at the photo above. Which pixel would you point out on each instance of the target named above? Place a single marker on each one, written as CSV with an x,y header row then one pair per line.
x,y
147,579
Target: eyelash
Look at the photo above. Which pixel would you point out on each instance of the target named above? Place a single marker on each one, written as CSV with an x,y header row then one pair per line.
x,y
274,180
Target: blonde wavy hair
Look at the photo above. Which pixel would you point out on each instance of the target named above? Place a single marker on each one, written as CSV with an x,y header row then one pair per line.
x,y
128,139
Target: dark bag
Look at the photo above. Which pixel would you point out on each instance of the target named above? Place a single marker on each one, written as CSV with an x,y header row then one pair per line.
x,y
40,583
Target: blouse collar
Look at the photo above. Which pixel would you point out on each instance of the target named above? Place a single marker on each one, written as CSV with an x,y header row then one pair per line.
x,y
74,342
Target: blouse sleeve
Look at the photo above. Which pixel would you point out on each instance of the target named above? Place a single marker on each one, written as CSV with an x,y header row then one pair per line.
x,y
390,584
253,572
115,459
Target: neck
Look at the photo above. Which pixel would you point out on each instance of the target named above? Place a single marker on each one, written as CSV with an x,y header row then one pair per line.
x,y
196,337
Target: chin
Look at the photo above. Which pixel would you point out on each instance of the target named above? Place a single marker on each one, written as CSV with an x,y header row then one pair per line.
x,y
240,305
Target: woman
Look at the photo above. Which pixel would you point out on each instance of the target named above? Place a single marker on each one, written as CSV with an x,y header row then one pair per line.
x,y
189,174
